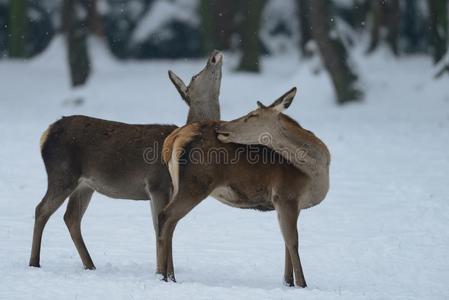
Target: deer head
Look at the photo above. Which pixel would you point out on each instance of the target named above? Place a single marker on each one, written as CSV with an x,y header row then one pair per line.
x,y
201,95
258,126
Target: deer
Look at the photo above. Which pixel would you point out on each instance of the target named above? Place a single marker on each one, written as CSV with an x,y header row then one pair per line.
x,y
295,178
83,155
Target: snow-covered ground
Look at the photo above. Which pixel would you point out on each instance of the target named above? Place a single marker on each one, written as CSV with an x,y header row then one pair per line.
x,y
382,232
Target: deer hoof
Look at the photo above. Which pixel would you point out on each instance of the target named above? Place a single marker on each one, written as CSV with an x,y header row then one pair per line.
x,y
161,276
289,283
172,278
34,265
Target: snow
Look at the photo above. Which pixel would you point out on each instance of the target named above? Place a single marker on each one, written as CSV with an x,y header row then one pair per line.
x,y
275,14
161,13
382,231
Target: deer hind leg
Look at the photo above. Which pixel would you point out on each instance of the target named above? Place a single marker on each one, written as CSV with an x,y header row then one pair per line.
x,y
57,192
78,203
164,252
159,199
288,218
168,219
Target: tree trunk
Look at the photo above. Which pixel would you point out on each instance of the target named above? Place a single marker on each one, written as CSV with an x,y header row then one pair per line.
x,y
304,26
438,28
95,22
218,24
385,16
359,13
76,32
333,52
392,24
376,23
17,28
224,16
206,26
251,11
443,70
413,34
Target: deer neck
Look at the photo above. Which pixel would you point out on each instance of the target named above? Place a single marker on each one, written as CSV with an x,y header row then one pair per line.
x,y
308,154
204,109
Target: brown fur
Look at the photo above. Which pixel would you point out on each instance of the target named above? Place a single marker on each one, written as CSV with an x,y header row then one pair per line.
x,y
83,155
172,150
168,145
44,137
287,184
285,136
292,126
242,184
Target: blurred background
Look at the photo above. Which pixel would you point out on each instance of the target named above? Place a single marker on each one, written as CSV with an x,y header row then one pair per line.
x,y
154,29
372,80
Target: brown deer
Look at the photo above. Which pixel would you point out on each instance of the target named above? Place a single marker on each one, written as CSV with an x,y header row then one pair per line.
x,y
84,154
295,178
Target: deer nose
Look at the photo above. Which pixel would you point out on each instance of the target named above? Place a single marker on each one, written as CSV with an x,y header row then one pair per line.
x,y
216,57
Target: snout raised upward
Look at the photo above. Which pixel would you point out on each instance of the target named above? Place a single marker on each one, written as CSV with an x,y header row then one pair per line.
x,y
216,57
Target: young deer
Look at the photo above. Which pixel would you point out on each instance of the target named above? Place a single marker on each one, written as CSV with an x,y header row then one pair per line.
x,y
83,155
295,178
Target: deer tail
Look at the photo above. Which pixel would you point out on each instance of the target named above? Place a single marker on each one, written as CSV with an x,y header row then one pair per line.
x,y
173,150
44,137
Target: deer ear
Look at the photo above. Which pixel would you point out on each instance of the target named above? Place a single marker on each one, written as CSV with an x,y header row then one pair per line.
x,y
260,105
284,101
179,85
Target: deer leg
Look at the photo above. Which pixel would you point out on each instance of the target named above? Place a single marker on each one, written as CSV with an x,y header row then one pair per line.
x,y
288,270
168,219
288,218
52,200
170,268
78,203
159,199
165,252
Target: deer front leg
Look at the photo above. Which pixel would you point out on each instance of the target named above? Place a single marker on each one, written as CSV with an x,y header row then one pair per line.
x,y
288,217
